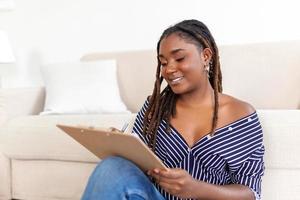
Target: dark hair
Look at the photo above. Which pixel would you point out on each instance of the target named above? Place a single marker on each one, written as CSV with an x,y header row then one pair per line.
x,y
162,105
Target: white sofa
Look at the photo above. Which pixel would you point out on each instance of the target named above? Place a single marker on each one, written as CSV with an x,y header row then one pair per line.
x,y
38,161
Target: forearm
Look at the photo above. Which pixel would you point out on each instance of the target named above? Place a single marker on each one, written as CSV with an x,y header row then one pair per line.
x,y
206,191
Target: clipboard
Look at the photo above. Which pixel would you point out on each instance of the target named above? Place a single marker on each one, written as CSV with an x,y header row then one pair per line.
x,y
103,143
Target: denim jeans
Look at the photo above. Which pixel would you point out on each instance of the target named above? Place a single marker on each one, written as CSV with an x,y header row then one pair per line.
x,y
119,179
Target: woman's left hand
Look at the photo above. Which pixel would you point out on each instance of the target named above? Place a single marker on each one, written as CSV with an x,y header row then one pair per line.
x,y
177,182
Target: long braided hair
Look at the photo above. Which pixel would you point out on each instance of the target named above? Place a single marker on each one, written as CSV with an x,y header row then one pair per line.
x,y
162,105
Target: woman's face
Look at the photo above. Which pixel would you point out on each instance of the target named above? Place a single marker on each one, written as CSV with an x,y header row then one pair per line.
x,y
183,64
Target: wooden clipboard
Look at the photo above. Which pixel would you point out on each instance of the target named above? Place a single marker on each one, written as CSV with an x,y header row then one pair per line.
x,y
104,143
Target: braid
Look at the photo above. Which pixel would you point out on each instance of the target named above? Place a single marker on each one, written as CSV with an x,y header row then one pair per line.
x,y
162,105
216,82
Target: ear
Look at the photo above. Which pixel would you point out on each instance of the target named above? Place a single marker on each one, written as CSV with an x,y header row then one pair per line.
x,y
207,54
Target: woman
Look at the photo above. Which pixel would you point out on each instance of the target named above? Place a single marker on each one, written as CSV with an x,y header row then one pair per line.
x,y
211,142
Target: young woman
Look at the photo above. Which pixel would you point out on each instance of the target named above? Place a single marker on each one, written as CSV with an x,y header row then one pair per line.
x,y
212,143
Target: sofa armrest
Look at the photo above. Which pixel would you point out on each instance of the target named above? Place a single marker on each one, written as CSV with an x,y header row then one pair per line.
x,y
5,177
16,102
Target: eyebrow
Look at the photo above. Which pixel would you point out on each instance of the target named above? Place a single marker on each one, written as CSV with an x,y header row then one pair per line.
x,y
172,52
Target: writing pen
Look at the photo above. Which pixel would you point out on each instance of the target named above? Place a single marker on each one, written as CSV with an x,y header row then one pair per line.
x,y
125,126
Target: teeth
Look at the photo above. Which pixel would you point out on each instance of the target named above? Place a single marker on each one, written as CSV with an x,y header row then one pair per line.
x,y
176,79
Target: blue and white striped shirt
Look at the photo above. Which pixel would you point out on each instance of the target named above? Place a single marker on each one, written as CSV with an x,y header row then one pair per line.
x,y
234,155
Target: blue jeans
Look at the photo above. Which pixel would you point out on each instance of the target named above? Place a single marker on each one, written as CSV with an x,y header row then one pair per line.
x,y
120,179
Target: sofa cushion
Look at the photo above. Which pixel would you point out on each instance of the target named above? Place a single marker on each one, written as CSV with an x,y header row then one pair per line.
x,y
37,137
281,184
82,88
281,130
5,177
49,179
12,101
264,74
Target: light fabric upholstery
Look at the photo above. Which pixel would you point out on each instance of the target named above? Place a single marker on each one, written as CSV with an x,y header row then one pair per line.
x,y
43,161
281,128
38,161
82,88
279,184
266,75
12,102
51,143
49,179
5,177
281,138
136,74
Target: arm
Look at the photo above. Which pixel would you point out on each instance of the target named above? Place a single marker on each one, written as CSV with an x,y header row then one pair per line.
x,y
178,182
245,181
232,192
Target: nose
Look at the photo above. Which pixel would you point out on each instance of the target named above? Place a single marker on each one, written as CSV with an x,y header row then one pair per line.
x,y
171,68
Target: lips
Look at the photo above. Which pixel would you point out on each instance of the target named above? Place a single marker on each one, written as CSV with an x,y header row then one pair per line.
x,y
175,80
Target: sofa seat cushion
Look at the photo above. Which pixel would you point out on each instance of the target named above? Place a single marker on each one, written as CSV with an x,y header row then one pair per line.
x,y
281,130
37,137
49,179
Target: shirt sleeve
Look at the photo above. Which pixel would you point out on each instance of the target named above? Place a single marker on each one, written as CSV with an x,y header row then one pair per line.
x,y
138,123
246,162
250,172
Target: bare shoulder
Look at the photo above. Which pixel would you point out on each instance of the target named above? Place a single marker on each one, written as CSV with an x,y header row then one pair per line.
x,y
234,108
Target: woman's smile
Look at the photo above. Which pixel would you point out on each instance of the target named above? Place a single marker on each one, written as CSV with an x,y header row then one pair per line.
x,y
175,80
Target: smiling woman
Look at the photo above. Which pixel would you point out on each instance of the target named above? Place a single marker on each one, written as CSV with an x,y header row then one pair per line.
x,y
182,64
211,142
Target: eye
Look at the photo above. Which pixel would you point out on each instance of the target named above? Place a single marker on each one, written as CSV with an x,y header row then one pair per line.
x,y
180,59
163,64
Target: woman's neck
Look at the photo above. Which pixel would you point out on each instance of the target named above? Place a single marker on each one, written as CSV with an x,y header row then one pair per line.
x,y
201,97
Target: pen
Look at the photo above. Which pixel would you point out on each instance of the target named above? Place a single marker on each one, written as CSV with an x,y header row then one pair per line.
x,y
125,126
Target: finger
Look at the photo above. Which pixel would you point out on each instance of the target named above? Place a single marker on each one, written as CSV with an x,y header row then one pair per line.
x,y
149,172
153,172
170,188
166,186
158,179
155,177
172,174
158,170
113,129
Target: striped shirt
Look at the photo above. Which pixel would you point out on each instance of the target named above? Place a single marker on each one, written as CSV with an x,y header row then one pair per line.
x,y
234,155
